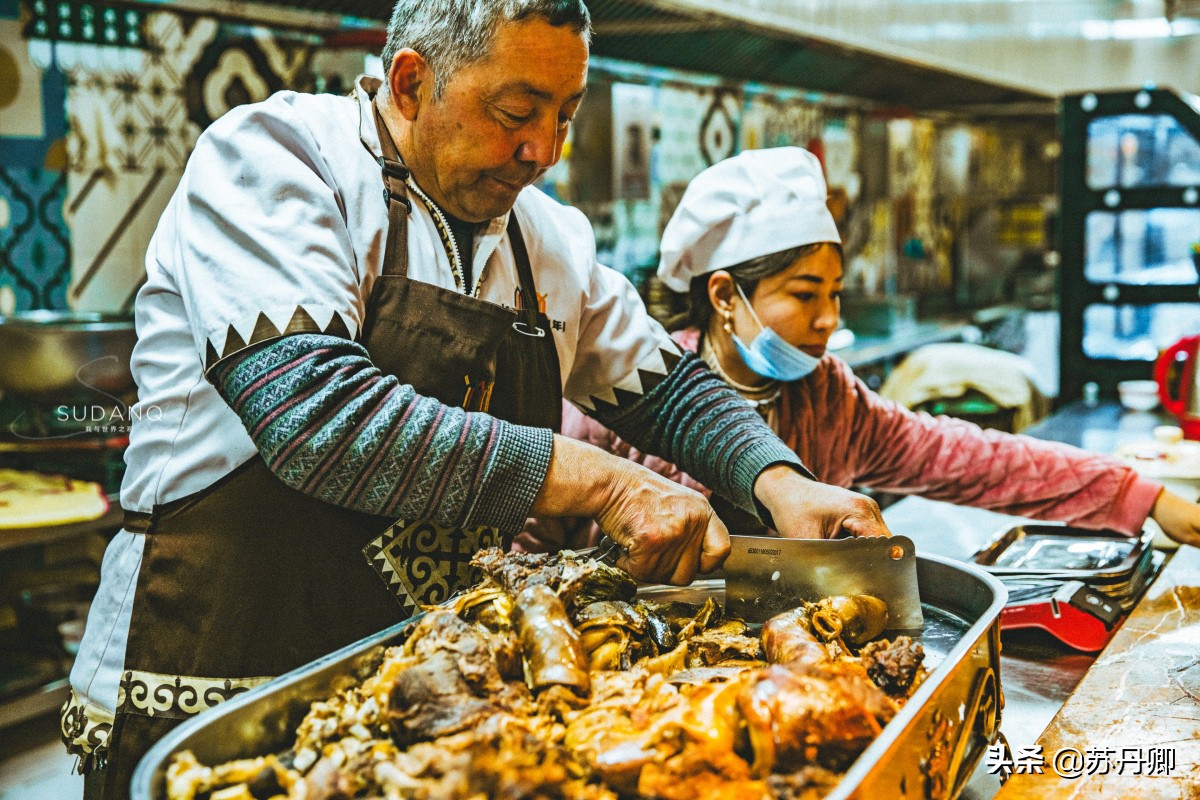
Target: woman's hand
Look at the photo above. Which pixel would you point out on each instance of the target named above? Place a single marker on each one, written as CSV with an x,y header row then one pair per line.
x,y
1178,518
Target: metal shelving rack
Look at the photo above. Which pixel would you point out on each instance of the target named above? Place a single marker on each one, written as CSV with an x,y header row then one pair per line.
x,y
49,697
1078,292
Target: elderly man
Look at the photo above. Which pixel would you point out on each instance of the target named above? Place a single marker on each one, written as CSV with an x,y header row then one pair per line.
x,y
359,323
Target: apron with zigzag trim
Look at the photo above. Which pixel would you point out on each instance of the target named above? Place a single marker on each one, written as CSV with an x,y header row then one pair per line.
x,y
249,578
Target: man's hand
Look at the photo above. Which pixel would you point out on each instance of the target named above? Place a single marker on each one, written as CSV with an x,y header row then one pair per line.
x,y
670,531
1178,518
806,509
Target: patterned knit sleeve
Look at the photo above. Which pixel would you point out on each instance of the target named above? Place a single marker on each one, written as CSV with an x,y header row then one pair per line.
x,y
331,425
693,419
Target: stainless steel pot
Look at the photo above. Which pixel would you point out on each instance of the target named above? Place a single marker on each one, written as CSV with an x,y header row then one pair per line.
x,y
65,357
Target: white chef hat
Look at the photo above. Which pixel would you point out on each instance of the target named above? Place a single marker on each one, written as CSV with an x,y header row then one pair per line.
x,y
753,204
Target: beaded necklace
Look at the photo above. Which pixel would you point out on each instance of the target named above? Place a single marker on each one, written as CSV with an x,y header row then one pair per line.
x,y
760,397
451,246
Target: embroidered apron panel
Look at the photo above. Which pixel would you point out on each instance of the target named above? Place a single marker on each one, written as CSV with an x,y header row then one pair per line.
x,y
424,564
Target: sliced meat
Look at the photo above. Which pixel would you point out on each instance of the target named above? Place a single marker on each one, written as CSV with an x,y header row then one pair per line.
x,y
894,665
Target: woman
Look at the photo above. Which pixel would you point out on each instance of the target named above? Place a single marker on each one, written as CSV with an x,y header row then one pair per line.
x,y
756,249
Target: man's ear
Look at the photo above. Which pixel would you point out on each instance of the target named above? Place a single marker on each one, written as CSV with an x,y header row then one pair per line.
x,y
720,290
409,80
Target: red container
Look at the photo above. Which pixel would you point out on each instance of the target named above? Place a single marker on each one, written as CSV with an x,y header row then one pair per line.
x,y
1178,391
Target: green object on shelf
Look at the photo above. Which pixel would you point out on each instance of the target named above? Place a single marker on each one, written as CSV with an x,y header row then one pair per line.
x,y
961,406
972,406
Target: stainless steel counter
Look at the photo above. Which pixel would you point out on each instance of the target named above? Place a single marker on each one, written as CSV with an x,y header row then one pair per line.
x,y
1038,673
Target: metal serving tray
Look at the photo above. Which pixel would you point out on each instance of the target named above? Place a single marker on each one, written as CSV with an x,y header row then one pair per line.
x,y
929,750
1061,552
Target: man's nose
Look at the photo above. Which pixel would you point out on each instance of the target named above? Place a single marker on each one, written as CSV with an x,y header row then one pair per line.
x,y
542,147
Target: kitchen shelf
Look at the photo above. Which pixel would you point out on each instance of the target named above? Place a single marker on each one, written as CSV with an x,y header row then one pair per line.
x,y
1130,212
11,538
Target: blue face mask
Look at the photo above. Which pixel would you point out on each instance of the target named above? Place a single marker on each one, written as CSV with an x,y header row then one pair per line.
x,y
770,356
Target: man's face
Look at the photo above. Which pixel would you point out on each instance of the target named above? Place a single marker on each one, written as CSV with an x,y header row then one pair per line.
x,y
501,122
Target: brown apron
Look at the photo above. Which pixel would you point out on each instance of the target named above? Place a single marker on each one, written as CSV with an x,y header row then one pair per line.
x,y
249,578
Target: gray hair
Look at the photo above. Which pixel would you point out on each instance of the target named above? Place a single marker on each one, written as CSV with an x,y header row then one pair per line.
x,y
450,34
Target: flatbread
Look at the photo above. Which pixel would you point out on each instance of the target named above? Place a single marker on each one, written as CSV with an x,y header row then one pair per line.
x,y
33,499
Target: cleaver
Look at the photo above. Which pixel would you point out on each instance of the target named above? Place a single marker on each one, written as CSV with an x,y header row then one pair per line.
x,y
767,575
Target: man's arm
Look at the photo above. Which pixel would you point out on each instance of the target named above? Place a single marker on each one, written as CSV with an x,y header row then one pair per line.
x,y
328,423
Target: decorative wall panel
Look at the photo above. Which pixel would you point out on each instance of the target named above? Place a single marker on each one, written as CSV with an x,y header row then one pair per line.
x,y
35,248
35,245
130,138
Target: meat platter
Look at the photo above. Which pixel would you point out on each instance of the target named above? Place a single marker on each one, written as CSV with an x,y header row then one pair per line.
x,y
928,746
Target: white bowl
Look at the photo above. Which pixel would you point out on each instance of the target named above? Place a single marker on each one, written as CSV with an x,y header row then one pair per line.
x,y
1138,395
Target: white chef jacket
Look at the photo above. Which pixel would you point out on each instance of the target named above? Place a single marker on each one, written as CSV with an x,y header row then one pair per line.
x,y
280,218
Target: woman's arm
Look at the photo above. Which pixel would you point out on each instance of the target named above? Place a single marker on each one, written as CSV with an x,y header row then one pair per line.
x,y
1178,518
953,460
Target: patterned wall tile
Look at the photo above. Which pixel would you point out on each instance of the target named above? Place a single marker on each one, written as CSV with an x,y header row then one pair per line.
x,y
234,69
35,249
719,128
113,216
680,111
135,114
130,138
20,86
35,246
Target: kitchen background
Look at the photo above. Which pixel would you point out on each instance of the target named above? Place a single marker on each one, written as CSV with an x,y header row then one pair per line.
x,y
105,102
1002,171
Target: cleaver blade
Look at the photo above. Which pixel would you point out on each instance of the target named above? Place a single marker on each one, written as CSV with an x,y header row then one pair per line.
x,y
767,575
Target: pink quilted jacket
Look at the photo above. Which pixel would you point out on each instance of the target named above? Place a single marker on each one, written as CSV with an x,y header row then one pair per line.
x,y
850,436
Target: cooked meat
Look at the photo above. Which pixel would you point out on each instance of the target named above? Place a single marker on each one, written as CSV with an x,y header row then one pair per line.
x,y
577,581
701,774
806,783
608,633
788,639
505,757
442,631
506,650
512,571
432,698
659,701
725,642
799,715
855,619
686,619
553,653
585,580
256,778
894,665
659,631
637,719
326,781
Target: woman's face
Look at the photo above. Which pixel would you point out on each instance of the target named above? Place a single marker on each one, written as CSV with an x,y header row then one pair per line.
x,y
801,304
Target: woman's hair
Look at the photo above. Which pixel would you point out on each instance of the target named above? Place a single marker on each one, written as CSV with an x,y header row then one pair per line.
x,y
746,275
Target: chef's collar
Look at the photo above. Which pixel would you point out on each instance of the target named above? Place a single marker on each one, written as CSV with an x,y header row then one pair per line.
x,y
365,87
